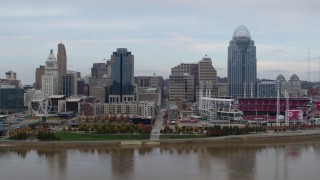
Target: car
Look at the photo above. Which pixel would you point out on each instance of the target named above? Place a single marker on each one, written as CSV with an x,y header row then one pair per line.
x,y
173,122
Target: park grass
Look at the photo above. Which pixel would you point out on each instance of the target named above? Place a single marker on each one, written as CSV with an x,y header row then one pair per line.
x,y
183,136
71,136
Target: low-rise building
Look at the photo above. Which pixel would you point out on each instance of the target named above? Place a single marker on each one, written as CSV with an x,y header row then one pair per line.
x,y
147,108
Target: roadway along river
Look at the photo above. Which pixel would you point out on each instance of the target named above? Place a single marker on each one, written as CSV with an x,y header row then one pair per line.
x,y
264,162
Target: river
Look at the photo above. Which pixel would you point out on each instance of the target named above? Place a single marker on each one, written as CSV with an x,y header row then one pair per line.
x,y
234,162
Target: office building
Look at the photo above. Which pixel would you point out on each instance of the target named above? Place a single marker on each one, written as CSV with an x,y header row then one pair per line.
x,y
149,88
242,64
149,94
10,75
203,71
294,86
69,84
62,65
99,70
181,87
50,77
99,92
266,89
102,81
282,85
122,70
12,78
147,108
207,75
11,99
223,90
38,77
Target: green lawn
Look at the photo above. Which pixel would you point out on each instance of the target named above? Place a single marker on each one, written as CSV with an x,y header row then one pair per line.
x,y
70,136
184,136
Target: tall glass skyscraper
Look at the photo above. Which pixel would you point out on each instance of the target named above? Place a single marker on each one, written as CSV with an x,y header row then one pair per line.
x,y
242,64
122,70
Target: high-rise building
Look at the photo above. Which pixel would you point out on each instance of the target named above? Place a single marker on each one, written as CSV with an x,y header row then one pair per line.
x,y
282,85
99,92
294,86
181,87
203,71
266,89
242,64
99,70
207,74
12,78
50,77
122,67
62,65
187,68
69,84
38,77
10,75
11,99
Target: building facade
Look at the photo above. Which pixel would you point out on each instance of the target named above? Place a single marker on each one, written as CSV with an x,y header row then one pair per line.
x,y
38,77
11,99
207,74
266,89
294,86
69,84
10,75
122,65
12,78
242,64
103,81
50,77
99,70
62,65
181,87
282,85
147,108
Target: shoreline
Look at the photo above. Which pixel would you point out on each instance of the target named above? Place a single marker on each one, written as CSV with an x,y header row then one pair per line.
x,y
263,138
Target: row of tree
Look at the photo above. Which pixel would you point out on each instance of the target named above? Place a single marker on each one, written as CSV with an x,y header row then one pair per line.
x,y
47,136
218,130
183,129
112,128
106,118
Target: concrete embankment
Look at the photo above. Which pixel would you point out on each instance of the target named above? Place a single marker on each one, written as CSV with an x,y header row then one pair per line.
x,y
297,136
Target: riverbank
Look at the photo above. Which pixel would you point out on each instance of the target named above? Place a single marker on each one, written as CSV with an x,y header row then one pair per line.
x,y
263,138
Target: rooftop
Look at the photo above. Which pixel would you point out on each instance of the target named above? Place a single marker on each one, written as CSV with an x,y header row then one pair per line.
x,y
241,32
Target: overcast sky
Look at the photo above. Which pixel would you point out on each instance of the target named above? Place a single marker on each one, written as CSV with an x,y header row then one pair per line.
x,y
159,34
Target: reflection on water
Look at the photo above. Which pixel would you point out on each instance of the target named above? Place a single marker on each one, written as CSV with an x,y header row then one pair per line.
x,y
289,161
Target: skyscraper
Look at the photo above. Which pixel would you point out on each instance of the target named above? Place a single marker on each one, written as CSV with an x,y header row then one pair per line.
x,y
50,77
39,73
202,72
70,81
207,75
122,74
62,65
181,87
99,70
242,64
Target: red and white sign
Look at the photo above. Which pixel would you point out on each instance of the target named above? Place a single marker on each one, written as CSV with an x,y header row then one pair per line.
x,y
294,115
318,105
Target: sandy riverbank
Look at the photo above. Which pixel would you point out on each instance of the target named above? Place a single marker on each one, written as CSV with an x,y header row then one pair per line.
x,y
264,138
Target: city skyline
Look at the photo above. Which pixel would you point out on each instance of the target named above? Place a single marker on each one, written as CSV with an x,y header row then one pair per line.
x,y
159,34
